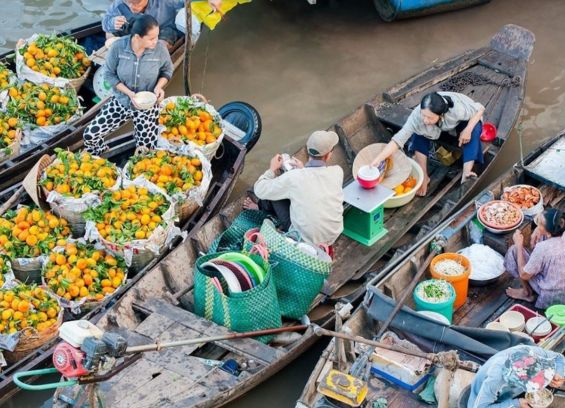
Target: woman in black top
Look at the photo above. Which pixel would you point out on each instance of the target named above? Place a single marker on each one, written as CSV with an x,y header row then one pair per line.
x,y
135,63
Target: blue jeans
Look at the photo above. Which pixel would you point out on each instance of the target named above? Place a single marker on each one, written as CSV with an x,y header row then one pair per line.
x,y
472,151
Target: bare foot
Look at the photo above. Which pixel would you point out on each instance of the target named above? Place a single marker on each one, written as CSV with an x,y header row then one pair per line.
x,y
424,188
468,176
520,294
249,204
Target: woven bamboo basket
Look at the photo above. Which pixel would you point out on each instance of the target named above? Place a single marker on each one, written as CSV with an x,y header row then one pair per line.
x,y
31,340
76,83
14,148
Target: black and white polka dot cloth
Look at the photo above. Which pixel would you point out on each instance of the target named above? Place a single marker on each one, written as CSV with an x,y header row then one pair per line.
x,y
112,116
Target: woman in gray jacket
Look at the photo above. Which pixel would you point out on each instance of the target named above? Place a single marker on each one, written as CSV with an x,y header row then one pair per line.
x,y
137,62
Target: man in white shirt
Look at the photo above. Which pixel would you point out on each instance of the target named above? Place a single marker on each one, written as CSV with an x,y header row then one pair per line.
x,y
309,198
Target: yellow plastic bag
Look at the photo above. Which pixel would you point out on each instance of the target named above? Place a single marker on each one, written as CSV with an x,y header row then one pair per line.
x,y
207,15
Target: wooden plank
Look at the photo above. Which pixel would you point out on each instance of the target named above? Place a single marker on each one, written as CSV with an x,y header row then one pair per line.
x,y
344,142
499,61
154,325
435,74
392,114
515,41
253,348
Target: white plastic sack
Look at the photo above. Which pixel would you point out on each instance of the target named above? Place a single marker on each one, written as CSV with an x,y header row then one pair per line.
x,y
180,22
195,194
75,305
209,150
26,73
159,239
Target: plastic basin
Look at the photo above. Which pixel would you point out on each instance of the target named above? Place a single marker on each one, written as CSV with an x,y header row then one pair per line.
x,y
460,282
405,198
444,308
556,314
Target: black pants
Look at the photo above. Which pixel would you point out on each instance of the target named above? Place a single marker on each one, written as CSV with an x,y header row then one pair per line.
x,y
114,115
279,209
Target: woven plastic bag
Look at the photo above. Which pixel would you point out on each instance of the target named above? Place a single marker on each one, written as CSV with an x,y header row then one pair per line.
x,y
299,277
232,238
253,309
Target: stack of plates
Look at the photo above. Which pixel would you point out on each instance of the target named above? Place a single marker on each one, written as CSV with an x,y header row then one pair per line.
x,y
513,320
233,272
496,326
538,326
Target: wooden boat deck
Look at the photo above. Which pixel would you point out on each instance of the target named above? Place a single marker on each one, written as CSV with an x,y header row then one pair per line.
x,y
484,304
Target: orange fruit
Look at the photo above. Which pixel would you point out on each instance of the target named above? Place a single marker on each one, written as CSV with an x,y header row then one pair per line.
x,y
399,189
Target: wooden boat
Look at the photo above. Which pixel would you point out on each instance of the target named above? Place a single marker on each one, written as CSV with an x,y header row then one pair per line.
x,y
226,170
484,304
12,171
143,314
390,10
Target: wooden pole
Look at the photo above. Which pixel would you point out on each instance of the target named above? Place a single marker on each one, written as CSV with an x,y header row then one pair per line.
x,y
231,336
187,47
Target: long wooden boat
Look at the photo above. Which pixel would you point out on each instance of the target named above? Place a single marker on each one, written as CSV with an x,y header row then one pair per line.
x,y
143,315
390,10
13,170
484,304
226,170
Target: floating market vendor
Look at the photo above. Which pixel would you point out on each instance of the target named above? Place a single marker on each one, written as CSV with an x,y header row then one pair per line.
x,y
541,271
440,112
137,62
308,198
118,17
515,371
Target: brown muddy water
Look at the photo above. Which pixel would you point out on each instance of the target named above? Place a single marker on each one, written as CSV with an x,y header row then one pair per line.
x,y
304,67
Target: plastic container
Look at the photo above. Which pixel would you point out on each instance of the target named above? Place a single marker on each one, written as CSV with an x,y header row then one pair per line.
x,y
528,314
145,100
460,282
369,177
405,198
444,308
556,314
488,133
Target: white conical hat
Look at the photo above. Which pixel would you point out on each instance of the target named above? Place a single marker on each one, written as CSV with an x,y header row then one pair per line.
x,y
396,173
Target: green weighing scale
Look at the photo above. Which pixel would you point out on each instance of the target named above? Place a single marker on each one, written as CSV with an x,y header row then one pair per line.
x,y
364,220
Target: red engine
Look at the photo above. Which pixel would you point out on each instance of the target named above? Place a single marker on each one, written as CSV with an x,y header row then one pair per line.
x,y
69,361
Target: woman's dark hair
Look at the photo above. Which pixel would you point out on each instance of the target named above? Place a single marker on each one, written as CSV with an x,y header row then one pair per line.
x,y
142,24
436,103
554,221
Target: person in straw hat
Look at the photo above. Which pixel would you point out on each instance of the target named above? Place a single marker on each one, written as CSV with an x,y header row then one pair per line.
x,y
307,199
512,372
441,112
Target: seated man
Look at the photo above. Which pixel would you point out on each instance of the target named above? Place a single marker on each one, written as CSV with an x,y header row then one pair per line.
x,y
309,198
512,372
119,14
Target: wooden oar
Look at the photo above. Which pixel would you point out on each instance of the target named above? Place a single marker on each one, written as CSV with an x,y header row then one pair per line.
x,y
12,200
187,46
231,336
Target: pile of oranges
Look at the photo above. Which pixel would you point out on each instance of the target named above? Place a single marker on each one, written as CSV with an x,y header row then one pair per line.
x,y
173,173
6,77
75,174
4,269
28,233
406,186
9,126
56,56
80,271
42,105
185,123
128,214
27,306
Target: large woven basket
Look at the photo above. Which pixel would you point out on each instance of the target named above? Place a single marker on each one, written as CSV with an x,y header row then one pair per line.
x,y
31,340
13,150
76,83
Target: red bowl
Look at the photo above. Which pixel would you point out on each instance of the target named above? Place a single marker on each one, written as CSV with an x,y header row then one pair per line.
x,y
489,132
366,182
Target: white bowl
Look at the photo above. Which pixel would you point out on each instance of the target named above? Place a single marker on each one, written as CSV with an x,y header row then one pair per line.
x,y
513,320
369,173
145,100
543,329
